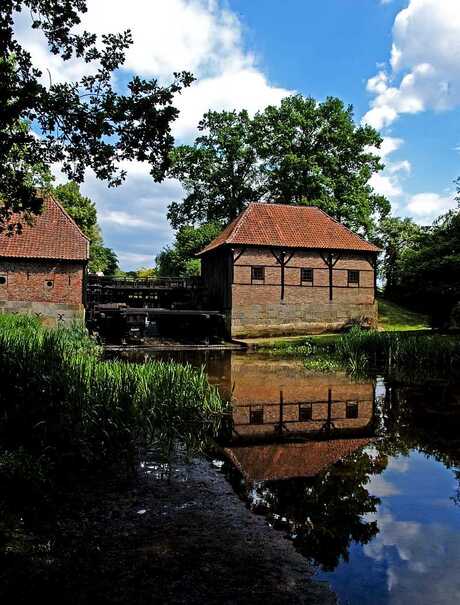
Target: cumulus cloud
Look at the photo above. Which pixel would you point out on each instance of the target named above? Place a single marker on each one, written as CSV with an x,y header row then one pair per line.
x,y
427,206
389,181
424,63
428,569
201,36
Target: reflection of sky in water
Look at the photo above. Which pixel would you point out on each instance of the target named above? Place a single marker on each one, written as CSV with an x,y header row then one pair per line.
x,y
415,558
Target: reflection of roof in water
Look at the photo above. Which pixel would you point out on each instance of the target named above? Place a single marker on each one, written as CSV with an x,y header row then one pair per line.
x,y
284,461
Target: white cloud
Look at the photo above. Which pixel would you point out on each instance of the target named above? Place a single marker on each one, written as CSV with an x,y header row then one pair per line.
x,y
172,35
428,570
386,185
388,182
201,36
245,88
382,488
133,216
427,206
424,62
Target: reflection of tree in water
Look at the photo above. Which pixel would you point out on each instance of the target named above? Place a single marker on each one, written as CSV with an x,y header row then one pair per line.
x,y
327,512
424,417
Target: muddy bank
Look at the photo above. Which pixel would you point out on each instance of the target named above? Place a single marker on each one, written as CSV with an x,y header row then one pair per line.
x,y
188,540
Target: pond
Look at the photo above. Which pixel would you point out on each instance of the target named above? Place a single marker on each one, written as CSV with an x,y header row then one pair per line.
x,y
362,475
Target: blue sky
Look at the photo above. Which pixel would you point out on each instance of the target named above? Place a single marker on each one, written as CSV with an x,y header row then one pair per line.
x,y
396,61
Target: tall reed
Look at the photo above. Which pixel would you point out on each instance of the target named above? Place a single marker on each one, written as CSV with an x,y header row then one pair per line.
x,y
64,405
395,352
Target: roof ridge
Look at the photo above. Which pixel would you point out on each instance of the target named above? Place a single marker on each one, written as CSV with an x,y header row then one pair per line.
x,y
51,197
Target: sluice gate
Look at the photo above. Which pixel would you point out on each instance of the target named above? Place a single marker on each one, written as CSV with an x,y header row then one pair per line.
x,y
132,309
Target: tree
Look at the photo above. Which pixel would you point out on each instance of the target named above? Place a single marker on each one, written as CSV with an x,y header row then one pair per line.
x,y
314,153
84,213
219,172
428,274
80,124
300,152
179,260
397,236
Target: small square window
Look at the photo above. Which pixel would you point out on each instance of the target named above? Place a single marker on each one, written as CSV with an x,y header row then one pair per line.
x,y
49,284
352,409
257,273
256,415
3,280
306,275
305,412
353,277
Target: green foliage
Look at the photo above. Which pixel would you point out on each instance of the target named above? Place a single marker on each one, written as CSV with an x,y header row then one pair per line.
x,y
84,213
145,272
84,124
81,208
64,407
314,153
398,237
102,259
219,172
179,260
429,277
300,152
393,352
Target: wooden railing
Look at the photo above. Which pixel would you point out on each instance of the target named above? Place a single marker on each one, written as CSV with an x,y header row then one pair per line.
x,y
167,283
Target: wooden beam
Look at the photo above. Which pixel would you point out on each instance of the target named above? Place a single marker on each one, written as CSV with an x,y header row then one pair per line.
x,y
282,260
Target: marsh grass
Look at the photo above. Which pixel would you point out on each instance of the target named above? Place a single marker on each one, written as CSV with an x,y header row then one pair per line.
x,y
398,353
68,411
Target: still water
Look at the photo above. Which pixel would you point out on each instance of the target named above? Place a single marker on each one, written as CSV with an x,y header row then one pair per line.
x,y
363,475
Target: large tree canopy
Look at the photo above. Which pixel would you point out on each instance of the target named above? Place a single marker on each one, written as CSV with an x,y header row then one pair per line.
x,y
299,152
79,124
220,172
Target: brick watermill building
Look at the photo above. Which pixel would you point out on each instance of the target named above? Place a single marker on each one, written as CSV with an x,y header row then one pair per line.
x,y
42,269
279,269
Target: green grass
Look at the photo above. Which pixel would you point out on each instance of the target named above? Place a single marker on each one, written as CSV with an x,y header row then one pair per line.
x,y
399,353
394,318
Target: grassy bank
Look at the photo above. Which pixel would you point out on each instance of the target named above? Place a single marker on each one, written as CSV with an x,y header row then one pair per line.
x,y
397,353
64,411
390,352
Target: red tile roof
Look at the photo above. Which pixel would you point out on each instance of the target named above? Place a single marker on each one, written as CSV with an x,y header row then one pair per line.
x,y
280,225
53,234
284,461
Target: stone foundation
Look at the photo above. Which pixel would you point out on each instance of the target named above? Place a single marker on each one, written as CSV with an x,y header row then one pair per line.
x,y
284,319
51,314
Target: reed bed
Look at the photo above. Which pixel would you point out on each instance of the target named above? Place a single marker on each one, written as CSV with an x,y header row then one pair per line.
x,y
400,353
68,410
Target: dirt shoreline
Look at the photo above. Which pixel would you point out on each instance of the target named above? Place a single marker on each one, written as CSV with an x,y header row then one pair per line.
x,y
189,540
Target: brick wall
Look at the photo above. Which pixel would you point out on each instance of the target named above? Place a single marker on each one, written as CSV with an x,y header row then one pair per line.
x,y
260,385
258,310
52,290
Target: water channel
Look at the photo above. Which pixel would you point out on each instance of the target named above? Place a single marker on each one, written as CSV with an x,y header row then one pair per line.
x,y
363,475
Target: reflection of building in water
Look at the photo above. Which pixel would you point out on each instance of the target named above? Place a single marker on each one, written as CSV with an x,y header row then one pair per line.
x,y
273,399
288,460
288,423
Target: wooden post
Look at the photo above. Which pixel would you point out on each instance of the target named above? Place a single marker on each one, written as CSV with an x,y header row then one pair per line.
x,y
282,260
330,261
